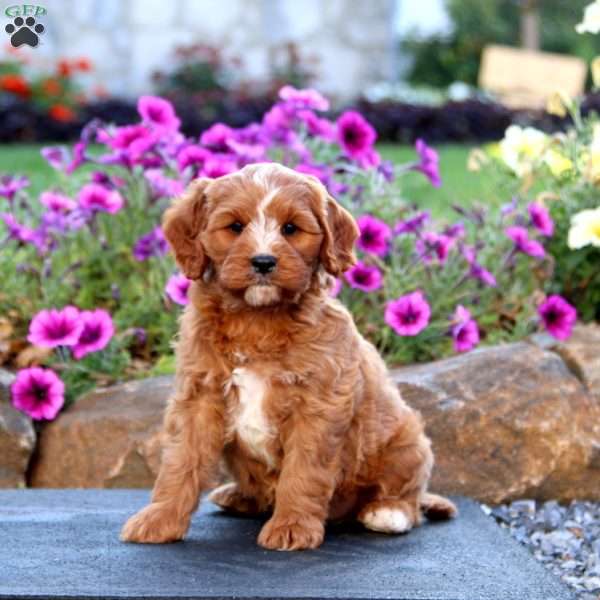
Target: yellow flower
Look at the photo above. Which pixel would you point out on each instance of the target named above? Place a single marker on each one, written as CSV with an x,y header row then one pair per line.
x,y
557,104
477,158
596,71
521,148
585,229
591,19
593,157
557,163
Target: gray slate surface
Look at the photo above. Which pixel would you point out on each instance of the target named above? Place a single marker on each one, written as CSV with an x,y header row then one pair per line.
x,y
64,544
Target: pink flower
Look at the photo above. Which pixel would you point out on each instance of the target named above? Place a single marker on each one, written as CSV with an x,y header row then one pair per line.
x,y
98,330
17,231
216,137
370,159
413,224
38,393
317,126
541,219
57,202
322,173
465,331
302,99
192,156
364,277
558,317
409,314
177,289
520,237
53,327
355,135
10,185
56,156
475,269
97,198
218,165
433,246
336,288
429,163
162,186
375,235
158,112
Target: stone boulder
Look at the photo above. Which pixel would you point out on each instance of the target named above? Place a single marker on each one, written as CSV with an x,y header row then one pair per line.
x,y
17,438
108,438
508,422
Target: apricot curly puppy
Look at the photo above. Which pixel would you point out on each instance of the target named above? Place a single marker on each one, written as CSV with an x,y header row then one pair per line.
x,y
274,377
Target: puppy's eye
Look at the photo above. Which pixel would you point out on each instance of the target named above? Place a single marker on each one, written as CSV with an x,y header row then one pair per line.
x,y
236,227
288,229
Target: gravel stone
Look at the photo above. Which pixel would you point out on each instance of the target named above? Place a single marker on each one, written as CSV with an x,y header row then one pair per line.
x,y
566,539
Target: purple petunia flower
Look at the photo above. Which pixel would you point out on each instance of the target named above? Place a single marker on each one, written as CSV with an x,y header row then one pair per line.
x,y
409,314
520,237
218,165
151,244
53,327
16,231
98,330
476,270
162,186
355,135
192,156
317,126
303,99
541,219
413,224
386,168
38,392
97,198
321,172
431,246
217,137
10,185
177,288
429,164
375,235
364,277
558,316
465,331
56,156
158,112
57,202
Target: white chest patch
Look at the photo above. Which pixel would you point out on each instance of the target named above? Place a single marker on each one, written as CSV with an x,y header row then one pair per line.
x,y
251,424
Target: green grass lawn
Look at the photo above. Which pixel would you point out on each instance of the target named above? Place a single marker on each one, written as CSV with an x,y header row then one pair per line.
x,y
458,185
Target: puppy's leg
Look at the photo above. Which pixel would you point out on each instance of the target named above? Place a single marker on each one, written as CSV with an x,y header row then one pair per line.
x,y
312,446
229,497
194,427
402,476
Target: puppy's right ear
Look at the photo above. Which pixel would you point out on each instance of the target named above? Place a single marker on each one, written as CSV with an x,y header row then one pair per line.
x,y
182,224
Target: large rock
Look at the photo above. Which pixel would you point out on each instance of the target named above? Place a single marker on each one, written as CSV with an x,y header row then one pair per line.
x,y
108,438
507,422
17,438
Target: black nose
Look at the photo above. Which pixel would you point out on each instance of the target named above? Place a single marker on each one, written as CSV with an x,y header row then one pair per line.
x,y
263,263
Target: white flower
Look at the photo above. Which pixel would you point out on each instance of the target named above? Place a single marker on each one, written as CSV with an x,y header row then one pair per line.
x,y
521,148
591,19
585,229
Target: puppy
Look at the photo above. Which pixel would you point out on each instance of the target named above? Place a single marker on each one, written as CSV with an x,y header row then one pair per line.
x,y
273,376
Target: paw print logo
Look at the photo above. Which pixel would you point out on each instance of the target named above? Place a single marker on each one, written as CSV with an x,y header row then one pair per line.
x,y
24,31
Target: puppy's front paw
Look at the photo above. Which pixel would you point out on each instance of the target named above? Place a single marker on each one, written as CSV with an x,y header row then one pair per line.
x,y
287,534
154,524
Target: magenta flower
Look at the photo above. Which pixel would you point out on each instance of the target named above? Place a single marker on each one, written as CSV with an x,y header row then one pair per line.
x,y
56,156
123,138
465,331
375,235
10,185
162,186
53,327
558,317
38,393
318,126
158,112
151,244
476,270
429,163
370,159
302,99
431,246
194,156
79,157
364,277
97,198
409,314
541,219
217,137
520,237
336,287
57,202
355,135
16,231
177,289
218,165
413,224
98,330
321,172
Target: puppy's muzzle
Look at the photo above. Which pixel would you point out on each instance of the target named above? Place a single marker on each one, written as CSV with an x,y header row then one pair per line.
x,y
263,263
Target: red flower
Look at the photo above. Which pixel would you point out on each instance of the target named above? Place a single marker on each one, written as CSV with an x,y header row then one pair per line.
x,y
64,68
15,84
51,87
83,64
60,112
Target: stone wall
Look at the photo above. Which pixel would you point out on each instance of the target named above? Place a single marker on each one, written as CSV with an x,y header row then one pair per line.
x,y
128,41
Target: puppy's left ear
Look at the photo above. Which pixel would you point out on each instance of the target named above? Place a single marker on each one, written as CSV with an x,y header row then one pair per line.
x,y
182,224
340,231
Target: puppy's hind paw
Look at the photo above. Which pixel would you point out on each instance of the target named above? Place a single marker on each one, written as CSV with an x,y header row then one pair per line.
x,y
154,524
438,508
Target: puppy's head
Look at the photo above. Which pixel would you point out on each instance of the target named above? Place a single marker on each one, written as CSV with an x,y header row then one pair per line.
x,y
262,232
